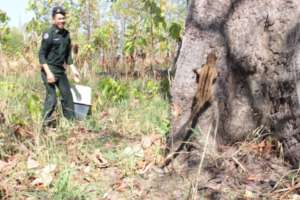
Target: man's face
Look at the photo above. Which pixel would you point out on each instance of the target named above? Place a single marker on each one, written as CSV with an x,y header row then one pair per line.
x,y
59,20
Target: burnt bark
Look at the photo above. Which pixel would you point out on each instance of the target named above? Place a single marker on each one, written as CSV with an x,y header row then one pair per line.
x,y
258,47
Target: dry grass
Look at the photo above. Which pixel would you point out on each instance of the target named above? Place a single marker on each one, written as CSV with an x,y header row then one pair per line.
x,y
113,154
83,160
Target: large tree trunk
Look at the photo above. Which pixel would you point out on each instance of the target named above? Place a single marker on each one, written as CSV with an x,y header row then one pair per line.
x,y
258,48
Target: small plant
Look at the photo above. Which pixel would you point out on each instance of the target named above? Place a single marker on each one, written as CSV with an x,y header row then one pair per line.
x,y
5,87
152,88
34,107
137,93
113,91
17,119
165,88
62,185
164,127
63,189
175,31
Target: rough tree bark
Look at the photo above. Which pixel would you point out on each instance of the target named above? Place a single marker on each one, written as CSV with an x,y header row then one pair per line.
x,y
258,47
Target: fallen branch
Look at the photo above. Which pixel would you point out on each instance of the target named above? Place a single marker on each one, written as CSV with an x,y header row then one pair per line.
x,y
240,164
284,196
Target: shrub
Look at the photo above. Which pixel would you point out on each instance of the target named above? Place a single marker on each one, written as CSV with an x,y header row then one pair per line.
x,y
112,90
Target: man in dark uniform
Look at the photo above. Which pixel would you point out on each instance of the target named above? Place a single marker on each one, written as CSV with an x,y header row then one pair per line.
x,y
54,56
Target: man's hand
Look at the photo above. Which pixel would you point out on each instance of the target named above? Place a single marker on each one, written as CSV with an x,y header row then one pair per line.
x,y
49,74
50,78
76,75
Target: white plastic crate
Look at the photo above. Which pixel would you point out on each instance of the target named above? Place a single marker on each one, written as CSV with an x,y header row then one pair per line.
x,y
82,98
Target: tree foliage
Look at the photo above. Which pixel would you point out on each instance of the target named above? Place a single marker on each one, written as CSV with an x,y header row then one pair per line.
x,y
11,39
105,29
4,30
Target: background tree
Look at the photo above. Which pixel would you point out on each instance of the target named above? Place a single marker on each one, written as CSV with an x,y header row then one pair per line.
x,y
124,30
4,30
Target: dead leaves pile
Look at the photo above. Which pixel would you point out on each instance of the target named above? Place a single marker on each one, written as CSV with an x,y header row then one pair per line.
x,y
152,146
252,170
22,132
42,175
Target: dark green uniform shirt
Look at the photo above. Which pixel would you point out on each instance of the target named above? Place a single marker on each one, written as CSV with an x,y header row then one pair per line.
x,y
56,49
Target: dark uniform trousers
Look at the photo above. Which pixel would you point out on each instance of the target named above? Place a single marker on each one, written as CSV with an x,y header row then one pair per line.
x,y
62,83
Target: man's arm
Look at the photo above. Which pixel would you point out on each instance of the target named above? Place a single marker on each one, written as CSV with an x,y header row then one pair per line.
x,y
45,47
69,61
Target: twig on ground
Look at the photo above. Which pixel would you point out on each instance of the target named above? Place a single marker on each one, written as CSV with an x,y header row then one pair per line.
x,y
290,190
240,164
195,189
281,178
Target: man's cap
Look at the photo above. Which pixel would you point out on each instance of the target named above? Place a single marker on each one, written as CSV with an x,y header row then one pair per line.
x,y
58,10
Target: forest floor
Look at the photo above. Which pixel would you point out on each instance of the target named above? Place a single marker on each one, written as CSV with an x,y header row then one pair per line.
x,y
114,153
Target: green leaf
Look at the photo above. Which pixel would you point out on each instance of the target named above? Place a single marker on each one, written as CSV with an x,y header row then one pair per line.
x,y
175,30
